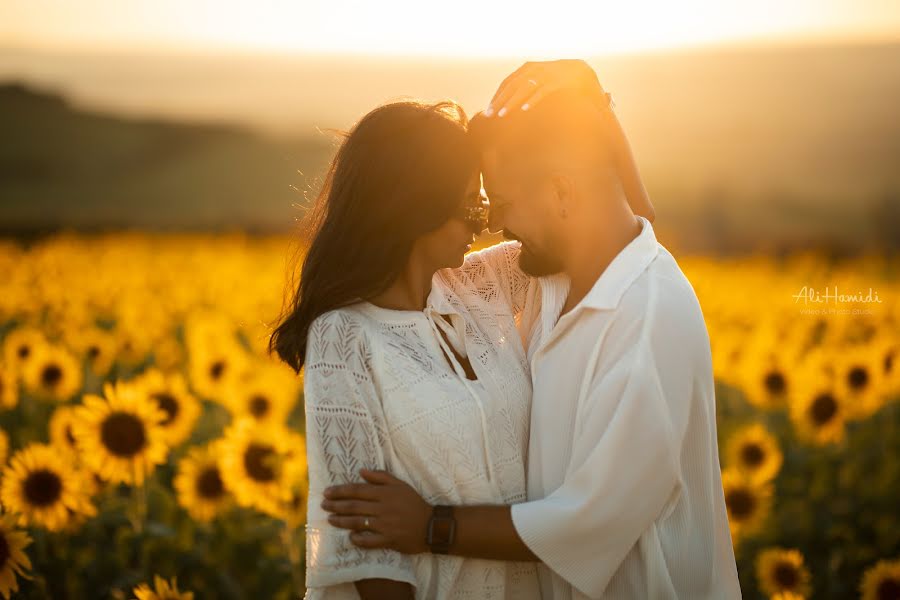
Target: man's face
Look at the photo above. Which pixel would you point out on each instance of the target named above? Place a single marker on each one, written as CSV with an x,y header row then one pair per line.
x,y
524,206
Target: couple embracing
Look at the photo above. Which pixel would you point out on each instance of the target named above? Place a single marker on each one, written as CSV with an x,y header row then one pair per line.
x,y
532,420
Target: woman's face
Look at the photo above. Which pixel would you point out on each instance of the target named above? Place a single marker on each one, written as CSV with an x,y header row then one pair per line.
x,y
447,245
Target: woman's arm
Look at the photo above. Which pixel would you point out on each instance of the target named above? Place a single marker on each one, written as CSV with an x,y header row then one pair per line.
x,y
629,175
535,80
345,432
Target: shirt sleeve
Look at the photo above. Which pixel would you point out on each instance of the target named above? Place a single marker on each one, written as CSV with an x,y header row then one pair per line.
x,y
495,272
623,474
343,435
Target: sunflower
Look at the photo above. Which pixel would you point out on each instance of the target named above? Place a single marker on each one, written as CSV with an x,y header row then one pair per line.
x,y
43,487
60,428
168,354
786,596
755,453
748,504
782,570
162,590
131,346
199,484
819,415
887,352
19,346
293,508
859,380
170,392
4,446
98,346
258,463
53,373
266,394
766,380
14,563
119,436
214,369
9,388
727,353
881,581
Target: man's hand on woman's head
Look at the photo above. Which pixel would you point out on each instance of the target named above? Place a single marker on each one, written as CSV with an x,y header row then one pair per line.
x,y
385,512
531,82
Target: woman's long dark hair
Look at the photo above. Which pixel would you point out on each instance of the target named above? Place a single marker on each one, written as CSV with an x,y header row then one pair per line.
x,y
400,173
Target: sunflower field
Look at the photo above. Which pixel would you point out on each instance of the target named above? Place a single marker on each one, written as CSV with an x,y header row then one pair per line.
x,y
152,449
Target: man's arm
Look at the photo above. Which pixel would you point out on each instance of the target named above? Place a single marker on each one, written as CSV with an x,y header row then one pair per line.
x,y
398,520
625,474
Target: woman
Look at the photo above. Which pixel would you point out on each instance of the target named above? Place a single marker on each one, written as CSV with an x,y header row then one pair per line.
x,y
412,359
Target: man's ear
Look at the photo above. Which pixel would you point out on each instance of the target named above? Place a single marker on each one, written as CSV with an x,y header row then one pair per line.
x,y
564,194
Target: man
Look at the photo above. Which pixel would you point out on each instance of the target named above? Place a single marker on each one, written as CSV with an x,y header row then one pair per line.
x,y
625,495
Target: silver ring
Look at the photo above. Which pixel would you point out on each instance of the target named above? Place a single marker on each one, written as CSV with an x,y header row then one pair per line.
x,y
366,523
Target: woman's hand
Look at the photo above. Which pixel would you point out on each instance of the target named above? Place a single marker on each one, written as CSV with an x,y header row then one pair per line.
x,y
535,80
397,515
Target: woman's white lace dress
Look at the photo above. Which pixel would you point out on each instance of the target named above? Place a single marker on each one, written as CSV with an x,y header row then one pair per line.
x,y
380,393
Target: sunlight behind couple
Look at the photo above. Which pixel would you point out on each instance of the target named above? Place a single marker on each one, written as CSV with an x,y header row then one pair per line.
x,y
460,29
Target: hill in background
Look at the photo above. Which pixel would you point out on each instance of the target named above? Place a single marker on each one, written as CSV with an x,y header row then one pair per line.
x,y
65,167
739,148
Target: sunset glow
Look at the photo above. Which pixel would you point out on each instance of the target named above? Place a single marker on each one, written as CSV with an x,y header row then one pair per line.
x,y
463,29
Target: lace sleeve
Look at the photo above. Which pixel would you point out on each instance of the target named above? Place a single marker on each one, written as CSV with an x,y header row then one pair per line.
x,y
342,437
496,270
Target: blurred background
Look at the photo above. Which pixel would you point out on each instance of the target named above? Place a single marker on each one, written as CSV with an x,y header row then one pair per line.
x,y
154,159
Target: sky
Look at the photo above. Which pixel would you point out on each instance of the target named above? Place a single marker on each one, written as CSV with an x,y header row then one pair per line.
x,y
458,28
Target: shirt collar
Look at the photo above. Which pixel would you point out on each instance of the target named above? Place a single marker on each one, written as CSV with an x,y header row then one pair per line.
x,y
628,264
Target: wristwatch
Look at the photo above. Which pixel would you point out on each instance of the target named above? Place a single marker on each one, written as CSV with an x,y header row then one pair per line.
x,y
441,529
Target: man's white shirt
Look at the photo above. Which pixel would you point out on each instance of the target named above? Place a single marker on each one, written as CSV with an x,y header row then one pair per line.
x,y
624,485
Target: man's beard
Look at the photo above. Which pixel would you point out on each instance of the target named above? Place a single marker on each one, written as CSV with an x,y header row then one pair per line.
x,y
538,265
535,265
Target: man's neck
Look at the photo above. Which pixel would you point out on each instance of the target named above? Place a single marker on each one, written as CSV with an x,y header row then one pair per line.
x,y
594,255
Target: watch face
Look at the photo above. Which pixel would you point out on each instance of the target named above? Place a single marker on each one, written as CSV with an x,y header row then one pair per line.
x,y
440,530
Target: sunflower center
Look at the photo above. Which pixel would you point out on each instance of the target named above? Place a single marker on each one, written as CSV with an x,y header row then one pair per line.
x,y
168,404
51,375
123,434
4,551
741,503
858,378
753,455
786,575
889,589
93,352
823,408
23,351
209,483
217,369
775,383
259,406
42,487
257,462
